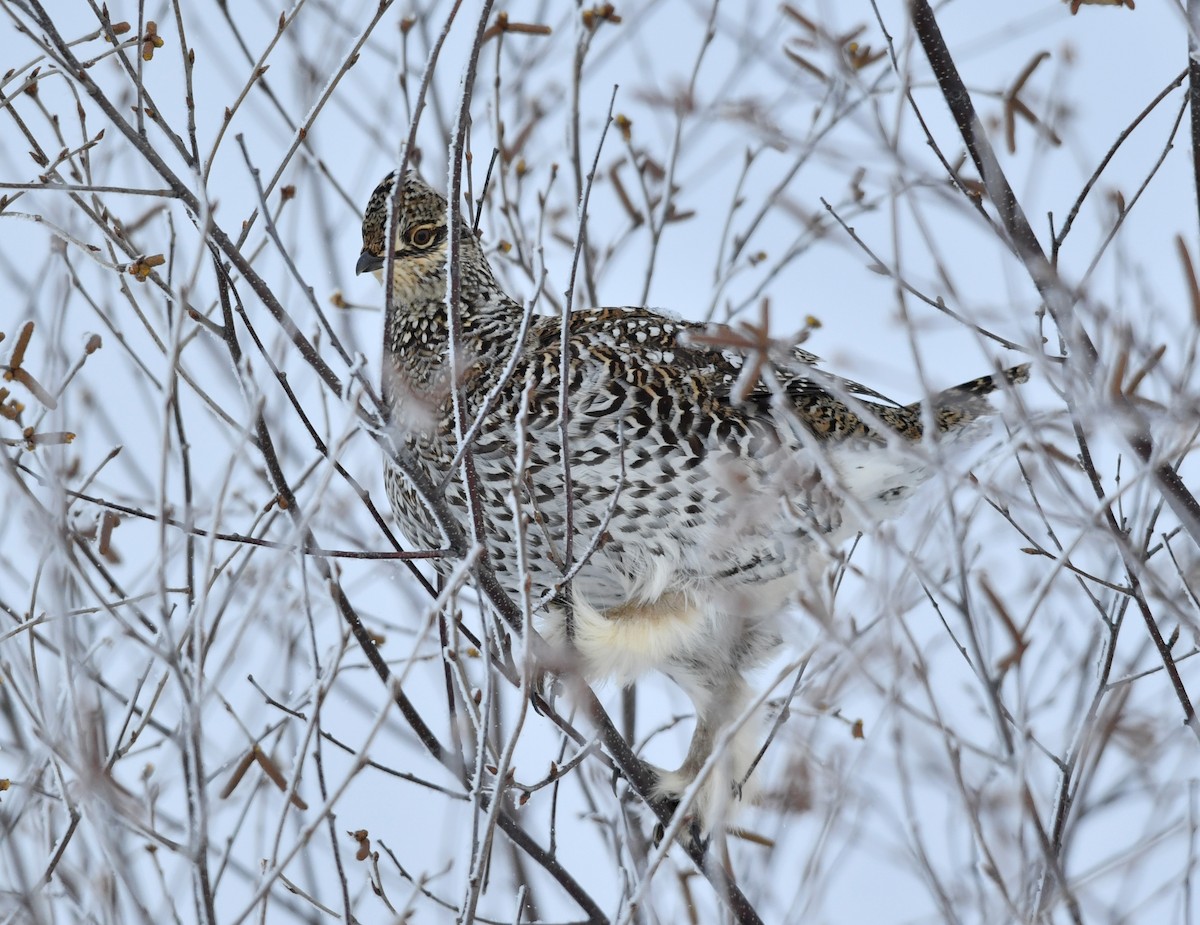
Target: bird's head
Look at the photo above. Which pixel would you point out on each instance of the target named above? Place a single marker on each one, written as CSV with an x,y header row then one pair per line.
x,y
419,240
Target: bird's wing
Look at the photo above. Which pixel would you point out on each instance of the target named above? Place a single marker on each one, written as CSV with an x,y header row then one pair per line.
x,y
712,367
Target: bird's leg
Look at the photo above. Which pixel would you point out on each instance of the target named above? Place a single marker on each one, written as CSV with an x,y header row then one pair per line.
x,y
719,700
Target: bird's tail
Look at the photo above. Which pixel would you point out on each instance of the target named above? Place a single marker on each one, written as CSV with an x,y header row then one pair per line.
x,y
963,403
985,385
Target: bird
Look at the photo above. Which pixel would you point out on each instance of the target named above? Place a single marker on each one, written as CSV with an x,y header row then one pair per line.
x,y
707,483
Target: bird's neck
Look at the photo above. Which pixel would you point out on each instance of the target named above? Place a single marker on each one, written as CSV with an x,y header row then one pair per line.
x,y
418,340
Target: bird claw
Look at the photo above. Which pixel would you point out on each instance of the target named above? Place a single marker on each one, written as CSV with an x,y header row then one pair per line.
x,y
692,837
548,687
695,836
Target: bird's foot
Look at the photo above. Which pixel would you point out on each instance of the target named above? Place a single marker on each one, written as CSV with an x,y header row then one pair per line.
x,y
710,807
693,837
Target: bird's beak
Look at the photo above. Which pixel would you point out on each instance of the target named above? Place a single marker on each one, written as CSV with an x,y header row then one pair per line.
x,y
367,262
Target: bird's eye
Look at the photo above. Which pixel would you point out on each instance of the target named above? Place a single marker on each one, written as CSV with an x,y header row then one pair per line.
x,y
422,236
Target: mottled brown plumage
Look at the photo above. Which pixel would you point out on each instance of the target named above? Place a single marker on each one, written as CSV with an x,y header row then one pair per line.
x,y
700,502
